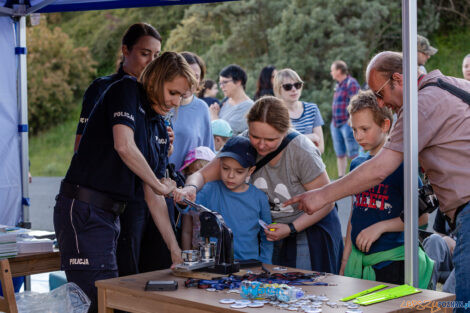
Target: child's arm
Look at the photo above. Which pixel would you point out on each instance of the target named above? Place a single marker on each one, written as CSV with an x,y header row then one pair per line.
x,y
266,247
369,235
187,232
347,245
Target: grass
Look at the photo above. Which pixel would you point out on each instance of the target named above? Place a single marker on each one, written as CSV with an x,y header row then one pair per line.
x,y
50,152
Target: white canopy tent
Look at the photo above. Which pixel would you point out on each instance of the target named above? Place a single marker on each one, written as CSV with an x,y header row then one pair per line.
x,y
14,194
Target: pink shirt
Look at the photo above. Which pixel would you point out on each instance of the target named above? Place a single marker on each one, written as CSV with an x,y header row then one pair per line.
x,y
443,140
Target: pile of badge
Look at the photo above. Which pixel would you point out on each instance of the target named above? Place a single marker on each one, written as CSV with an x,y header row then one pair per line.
x,y
307,304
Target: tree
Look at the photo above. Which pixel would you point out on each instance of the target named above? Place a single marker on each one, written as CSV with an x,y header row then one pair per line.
x,y
57,74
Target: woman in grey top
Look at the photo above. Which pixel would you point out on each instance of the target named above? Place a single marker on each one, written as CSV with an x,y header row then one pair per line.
x,y
311,242
234,108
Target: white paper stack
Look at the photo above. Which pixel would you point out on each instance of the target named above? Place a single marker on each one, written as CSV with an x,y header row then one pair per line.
x,y
8,246
32,245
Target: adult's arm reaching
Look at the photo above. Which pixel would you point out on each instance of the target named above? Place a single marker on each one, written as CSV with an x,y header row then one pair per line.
x,y
365,176
159,211
125,146
305,220
196,181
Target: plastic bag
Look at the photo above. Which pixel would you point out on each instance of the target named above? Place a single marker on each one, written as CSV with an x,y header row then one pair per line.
x,y
68,298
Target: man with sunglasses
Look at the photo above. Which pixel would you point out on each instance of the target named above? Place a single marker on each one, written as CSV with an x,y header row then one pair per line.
x,y
343,138
444,153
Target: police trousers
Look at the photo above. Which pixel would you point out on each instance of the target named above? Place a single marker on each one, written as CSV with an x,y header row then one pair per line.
x,y
87,238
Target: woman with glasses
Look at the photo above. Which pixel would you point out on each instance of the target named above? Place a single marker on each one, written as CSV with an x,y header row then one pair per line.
x,y
305,117
232,81
310,242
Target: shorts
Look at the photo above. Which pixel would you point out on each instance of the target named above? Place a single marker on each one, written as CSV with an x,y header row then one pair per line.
x,y
343,141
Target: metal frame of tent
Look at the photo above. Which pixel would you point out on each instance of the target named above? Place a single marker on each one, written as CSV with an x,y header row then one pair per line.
x,y
22,8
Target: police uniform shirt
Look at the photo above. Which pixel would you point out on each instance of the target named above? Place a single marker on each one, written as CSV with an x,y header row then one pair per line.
x,y
96,164
93,94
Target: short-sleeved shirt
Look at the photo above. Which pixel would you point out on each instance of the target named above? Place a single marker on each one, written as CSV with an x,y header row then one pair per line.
x,y
235,115
381,202
96,164
344,91
443,140
309,119
192,128
93,94
241,212
299,164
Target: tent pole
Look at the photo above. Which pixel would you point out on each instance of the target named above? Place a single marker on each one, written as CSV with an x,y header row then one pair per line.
x,y
22,93
410,134
23,114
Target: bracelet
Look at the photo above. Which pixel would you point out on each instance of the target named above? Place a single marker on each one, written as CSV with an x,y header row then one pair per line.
x,y
190,185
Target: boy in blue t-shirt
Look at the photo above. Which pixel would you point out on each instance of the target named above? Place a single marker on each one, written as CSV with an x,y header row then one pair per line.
x,y
374,239
240,204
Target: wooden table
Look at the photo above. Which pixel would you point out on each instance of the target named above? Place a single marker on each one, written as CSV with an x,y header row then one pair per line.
x,y
24,265
128,294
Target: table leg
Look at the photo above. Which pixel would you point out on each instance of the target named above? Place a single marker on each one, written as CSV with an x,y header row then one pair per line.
x,y
102,308
8,301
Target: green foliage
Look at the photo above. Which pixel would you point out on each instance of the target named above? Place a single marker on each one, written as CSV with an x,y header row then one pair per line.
x,y
50,152
102,31
57,74
453,47
305,35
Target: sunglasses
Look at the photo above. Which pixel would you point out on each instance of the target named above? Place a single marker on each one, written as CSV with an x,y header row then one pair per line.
x,y
377,93
288,87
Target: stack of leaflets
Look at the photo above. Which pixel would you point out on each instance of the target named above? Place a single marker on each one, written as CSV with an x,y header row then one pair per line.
x,y
8,246
16,240
33,245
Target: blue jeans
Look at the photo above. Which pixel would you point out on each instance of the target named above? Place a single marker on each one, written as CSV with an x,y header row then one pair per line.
x,y
343,141
462,256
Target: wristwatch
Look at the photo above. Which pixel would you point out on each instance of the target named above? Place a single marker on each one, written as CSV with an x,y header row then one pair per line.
x,y
293,231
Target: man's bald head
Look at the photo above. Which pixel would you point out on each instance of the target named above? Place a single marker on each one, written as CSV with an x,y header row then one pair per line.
x,y
386,63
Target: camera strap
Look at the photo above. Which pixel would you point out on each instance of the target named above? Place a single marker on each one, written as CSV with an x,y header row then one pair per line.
x,y
456,91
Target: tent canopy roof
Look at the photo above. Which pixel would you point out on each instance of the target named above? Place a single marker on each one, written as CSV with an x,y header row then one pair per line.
x,y
49,6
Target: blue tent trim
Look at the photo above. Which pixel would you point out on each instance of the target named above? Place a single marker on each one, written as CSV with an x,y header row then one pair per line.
x,y
117,4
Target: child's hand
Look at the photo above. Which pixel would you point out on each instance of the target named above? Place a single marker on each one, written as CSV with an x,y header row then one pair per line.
x,y
368,236
169,186
188,192
277,232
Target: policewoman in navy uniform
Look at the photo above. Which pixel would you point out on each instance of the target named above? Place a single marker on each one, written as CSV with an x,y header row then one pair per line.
x,y
119,154
141,43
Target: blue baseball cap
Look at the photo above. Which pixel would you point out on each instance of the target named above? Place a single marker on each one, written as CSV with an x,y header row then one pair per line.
x,y
240,149
221,128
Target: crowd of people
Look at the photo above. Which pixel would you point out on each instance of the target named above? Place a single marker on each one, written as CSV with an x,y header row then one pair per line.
x,y
155,132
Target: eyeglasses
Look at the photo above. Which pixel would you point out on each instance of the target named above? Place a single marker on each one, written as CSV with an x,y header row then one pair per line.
x,y
225,82
288,87
377,93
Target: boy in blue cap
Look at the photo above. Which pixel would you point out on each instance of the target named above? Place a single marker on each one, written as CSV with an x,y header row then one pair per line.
x,y
240,204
